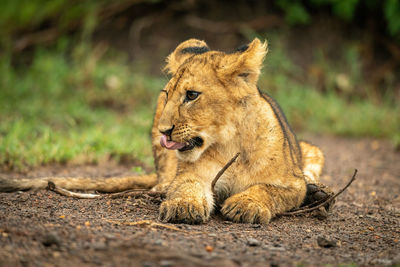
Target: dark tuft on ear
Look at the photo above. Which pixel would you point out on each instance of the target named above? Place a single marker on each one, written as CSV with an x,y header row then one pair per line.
x,y
242,48
183,52
195,50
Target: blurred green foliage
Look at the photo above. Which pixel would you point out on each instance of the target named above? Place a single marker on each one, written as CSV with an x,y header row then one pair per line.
x,y
25,15
308,109
91,104
83,108
392,15
83,102
295,12
18,15
298,12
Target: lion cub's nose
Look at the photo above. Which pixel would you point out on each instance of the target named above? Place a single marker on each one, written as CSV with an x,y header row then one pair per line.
x,y
166,130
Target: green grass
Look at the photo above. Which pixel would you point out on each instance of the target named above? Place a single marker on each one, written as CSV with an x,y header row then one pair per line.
x,y
333,111
82,109
91,104
311,111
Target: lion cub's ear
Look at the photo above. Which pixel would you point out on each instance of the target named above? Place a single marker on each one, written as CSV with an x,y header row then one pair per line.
x,y
246,62
184,51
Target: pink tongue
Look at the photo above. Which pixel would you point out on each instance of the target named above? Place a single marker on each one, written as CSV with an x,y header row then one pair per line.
x,y
170,144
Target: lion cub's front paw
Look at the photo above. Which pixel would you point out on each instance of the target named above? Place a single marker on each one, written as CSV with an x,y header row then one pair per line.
x,y
184,211
242,208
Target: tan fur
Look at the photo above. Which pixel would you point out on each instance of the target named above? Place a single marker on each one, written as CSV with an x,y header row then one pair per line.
x,y
313,162
230,115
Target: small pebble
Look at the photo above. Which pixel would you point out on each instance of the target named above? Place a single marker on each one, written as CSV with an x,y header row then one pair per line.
x,y
51,238
253,242
209,248
166,263
158,242
109,236
147,264
99,246
326,243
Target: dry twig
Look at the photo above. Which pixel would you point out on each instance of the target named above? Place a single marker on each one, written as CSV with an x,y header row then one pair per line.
x,y
51,186
139,192
134,192
305,210
219,174
129,193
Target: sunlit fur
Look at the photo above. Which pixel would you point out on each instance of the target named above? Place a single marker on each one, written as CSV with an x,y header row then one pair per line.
x,y
230,115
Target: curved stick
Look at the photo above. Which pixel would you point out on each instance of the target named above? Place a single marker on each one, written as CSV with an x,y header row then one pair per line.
x,y
219,174
299,211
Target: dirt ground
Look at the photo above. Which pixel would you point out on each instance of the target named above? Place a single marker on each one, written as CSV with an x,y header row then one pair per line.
x,y
45,229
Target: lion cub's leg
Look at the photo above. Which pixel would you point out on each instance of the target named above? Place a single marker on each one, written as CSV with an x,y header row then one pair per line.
x,y
189,200
166,164
313,162
261,202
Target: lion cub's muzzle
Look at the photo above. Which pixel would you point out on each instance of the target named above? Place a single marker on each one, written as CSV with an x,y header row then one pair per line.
x,y
189,145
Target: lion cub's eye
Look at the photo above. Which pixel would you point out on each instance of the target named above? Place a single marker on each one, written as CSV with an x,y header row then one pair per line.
x,y
191,95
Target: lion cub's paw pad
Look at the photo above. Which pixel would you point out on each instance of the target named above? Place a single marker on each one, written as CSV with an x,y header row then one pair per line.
x,y
245,210
316,193
183,211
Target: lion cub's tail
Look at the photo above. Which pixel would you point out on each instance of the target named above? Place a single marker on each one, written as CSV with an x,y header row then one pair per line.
x,y
313,162
112,184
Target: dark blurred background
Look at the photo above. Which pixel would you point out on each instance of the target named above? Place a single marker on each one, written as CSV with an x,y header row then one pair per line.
x,y
79,78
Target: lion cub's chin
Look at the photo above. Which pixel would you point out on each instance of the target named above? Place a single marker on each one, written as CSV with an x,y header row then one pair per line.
x,y
191,155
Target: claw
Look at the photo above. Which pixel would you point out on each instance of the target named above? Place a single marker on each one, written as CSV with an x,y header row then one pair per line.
x,y
180,211
246,210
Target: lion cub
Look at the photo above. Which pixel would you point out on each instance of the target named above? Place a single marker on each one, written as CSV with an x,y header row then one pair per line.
x,y
210,110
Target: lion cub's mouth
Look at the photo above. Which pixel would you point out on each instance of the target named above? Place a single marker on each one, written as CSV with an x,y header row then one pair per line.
x,y
192,143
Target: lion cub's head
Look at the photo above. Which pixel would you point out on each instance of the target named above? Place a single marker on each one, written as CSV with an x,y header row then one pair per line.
x,y
205,94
